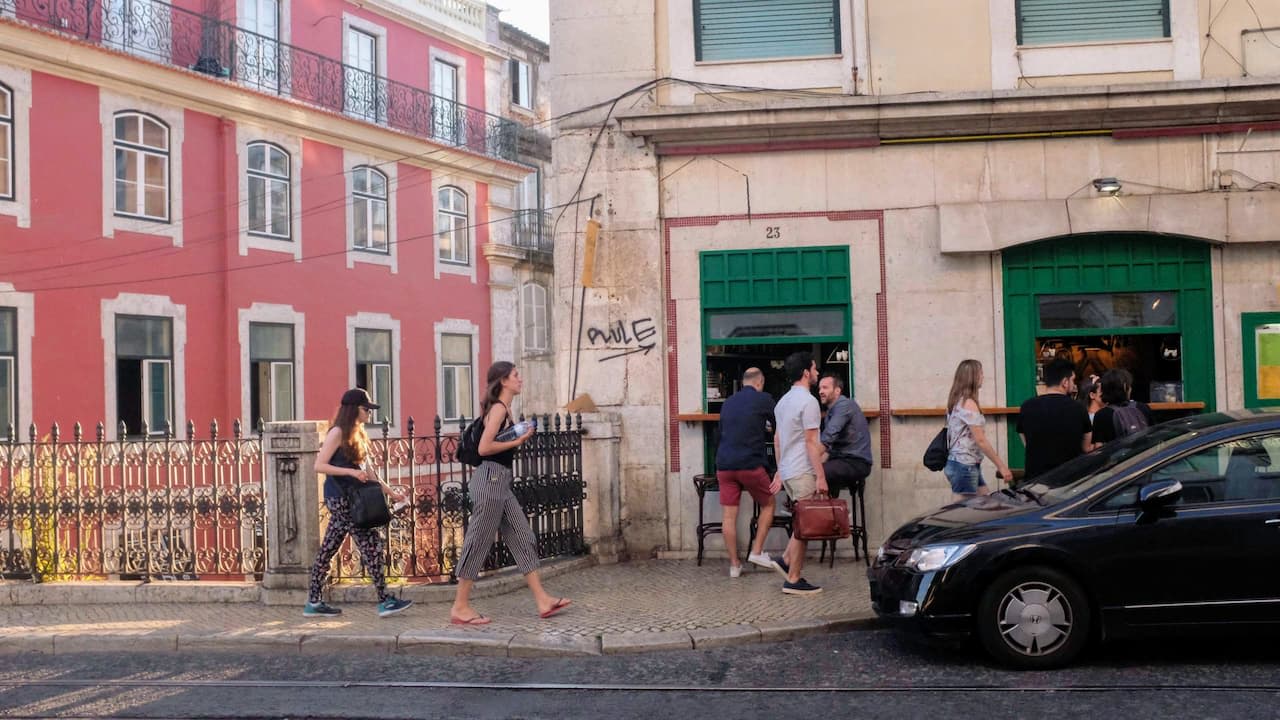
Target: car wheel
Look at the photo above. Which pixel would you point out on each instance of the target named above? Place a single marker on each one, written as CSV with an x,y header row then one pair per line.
x,y
1034,618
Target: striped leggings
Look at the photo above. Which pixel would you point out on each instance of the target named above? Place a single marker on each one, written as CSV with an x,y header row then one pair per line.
x,y
494,507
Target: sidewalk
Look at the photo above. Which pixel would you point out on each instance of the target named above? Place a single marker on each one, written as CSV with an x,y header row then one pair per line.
x,y
628,607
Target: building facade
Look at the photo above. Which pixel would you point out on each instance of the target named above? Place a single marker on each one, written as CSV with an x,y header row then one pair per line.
x,y
234,210
897,190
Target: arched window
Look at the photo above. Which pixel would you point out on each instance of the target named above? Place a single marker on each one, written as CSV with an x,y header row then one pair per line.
x,y
451,226
6,143
142,166
370,228
269,191
533,298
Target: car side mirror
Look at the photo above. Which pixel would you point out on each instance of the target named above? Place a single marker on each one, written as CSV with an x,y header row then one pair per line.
x,y
1160,493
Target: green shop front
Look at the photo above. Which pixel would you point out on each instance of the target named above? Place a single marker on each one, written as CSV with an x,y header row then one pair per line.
x,y
759,306
1141,302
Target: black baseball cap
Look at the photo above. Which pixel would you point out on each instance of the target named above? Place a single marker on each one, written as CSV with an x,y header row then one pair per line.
x,y
359,396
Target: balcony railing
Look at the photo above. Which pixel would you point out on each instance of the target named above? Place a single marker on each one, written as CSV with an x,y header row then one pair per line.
x,y
532,230
166,34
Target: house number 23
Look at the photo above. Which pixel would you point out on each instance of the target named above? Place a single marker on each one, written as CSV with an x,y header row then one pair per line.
x,y
772,232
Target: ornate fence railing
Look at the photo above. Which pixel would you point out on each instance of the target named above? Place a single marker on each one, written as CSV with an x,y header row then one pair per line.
x,y
425,539
145,508
532,230
172,35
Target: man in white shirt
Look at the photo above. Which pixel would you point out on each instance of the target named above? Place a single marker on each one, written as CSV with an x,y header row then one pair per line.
x,y
799,450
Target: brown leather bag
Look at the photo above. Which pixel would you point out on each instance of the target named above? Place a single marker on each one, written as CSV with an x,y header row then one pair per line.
x,y
820,518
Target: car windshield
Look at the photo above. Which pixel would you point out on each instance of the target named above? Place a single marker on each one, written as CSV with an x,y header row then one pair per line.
x,y
1087,471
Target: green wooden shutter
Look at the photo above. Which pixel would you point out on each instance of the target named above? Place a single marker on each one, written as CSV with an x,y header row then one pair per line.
x,y
752,29
1042,22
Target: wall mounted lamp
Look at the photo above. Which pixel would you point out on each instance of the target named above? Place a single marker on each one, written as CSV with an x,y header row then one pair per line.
x,y
1107,185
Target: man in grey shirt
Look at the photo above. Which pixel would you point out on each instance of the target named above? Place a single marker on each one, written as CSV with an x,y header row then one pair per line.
x,y
845,436
799,457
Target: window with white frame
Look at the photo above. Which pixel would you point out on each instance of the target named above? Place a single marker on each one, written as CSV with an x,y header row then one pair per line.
x,y
6,143
521,83
8,370
451,226
446,120
361,71
144,373
142,166
370,229
1047,22
260,47
271,373
534,301
269,185
375,370
456,374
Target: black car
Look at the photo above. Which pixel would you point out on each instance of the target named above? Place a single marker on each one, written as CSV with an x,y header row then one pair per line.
x,y
1174,527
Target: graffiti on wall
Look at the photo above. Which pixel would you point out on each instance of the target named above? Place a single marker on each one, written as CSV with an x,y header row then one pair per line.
x,y
634,337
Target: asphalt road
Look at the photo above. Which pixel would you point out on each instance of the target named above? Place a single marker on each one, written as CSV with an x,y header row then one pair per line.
x,y
866,674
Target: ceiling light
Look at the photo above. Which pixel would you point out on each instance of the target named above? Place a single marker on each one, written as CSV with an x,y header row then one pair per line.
x,y
1107,185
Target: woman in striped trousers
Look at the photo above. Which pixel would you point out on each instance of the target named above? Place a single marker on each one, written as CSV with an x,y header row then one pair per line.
x,y
494,507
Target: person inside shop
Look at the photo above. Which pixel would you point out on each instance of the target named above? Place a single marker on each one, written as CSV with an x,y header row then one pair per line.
x,y
1054,427
1122,415
1090,395
845,437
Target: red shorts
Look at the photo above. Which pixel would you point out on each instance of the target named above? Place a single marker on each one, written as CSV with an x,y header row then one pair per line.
x,y
732,482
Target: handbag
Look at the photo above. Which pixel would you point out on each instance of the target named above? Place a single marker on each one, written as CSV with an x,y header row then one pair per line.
x,y
368,505
821,518
935,456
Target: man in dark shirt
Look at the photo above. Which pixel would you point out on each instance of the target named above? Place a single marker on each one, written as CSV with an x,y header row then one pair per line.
x,y
1054,427
745,422
847,461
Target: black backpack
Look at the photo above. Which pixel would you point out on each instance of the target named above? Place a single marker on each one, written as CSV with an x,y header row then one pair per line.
x,y
1128,418
469,443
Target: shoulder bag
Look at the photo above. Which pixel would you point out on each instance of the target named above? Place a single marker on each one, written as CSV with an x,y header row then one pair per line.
x,y
821,518
935,456
368,505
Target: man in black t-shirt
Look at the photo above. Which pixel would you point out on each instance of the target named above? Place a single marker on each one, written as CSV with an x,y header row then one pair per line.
x,y
1053,426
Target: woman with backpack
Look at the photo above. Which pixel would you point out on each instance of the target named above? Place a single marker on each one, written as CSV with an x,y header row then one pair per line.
x,y
966,435
1121,416
494,507
341,459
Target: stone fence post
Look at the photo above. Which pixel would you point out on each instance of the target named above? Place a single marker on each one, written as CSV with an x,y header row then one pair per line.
x,y
602,471
293,501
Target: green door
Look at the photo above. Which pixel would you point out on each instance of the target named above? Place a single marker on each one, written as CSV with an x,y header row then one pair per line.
x,y
1131,265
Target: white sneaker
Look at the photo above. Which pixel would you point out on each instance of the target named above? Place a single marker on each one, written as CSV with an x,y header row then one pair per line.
x,y
735,571
765,561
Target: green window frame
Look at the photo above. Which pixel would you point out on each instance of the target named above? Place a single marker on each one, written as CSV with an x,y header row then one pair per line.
x,y
725,30
1258,357
1050,22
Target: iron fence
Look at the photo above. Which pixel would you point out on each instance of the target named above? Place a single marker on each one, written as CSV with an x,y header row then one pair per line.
x,y
425,540
171,35
532,230
151,507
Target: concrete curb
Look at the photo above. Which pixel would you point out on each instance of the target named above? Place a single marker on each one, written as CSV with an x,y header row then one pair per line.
x,y
431,641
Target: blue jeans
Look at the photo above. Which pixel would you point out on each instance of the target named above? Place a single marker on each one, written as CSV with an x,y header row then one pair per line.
x,y
965,479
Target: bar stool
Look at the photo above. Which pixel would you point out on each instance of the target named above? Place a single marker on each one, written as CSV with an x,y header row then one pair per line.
x,y
780,520
857,528
704,484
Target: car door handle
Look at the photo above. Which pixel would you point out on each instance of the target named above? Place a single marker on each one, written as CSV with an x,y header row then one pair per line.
x,y
1276,521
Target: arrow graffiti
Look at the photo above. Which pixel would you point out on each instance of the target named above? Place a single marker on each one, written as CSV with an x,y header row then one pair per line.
x,y
630,337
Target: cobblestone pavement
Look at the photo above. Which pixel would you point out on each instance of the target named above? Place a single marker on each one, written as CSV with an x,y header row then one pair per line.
x,y
626,601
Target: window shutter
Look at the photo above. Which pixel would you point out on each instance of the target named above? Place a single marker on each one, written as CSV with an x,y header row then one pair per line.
x,y
1042,22
751,29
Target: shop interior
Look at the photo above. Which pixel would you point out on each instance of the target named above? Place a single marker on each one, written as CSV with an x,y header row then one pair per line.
x,y
726,363
1155,360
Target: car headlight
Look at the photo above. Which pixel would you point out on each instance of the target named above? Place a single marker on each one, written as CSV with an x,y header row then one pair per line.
x,y
880,554
937,557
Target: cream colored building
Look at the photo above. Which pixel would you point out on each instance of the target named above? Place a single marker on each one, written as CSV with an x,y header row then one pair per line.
x,y
901,186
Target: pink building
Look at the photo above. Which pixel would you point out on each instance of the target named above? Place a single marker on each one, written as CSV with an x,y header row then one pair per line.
x,y
238,208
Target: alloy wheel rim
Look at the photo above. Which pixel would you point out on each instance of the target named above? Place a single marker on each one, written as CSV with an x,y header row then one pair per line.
x,y
1035,619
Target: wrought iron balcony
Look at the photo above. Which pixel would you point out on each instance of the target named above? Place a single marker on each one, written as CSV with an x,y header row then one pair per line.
x,y
532,230
163,33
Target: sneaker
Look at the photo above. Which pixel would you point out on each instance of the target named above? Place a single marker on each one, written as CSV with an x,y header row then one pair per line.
x,y
764,560
800,587
315,609
735,571
392,605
